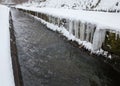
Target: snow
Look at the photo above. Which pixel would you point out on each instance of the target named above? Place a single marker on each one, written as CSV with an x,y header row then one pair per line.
x,y
76,4
68,4
112,4
6,72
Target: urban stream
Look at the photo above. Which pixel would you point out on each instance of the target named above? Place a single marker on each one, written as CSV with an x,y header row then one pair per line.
x,y
47,59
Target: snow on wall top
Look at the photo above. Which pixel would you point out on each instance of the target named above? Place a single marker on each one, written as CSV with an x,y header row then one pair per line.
x,y
6,72
101,19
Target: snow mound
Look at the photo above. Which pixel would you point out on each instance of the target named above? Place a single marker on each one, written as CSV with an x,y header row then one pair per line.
x,y
6,72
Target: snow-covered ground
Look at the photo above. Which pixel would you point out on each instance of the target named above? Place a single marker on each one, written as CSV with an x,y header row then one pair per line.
x,y
77,4
70,4
6,72
109,5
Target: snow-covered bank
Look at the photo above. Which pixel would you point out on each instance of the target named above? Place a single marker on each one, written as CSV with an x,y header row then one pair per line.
x,y
6,72
86,27
107,5
67,4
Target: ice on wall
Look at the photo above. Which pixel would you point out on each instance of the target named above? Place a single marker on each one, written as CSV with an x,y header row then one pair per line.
x,y
82,31
70,26
87,32
98,39
76,28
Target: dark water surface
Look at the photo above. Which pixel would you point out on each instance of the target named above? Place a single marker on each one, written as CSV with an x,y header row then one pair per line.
x,y
46,59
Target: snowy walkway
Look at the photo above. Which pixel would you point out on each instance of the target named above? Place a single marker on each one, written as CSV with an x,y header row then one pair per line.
x,y
103,20
47,59
6,72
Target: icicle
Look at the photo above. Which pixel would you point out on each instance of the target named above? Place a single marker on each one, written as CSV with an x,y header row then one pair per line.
x,y
98,38
76,24
54,22
37,14
67,24
49,18
116,33
82,31
88,31
73,30
119,34
70,27
79,29
52,19
58,22
92,33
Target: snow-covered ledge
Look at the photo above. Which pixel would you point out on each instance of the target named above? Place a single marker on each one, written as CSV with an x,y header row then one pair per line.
x,y
6,71
91,29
